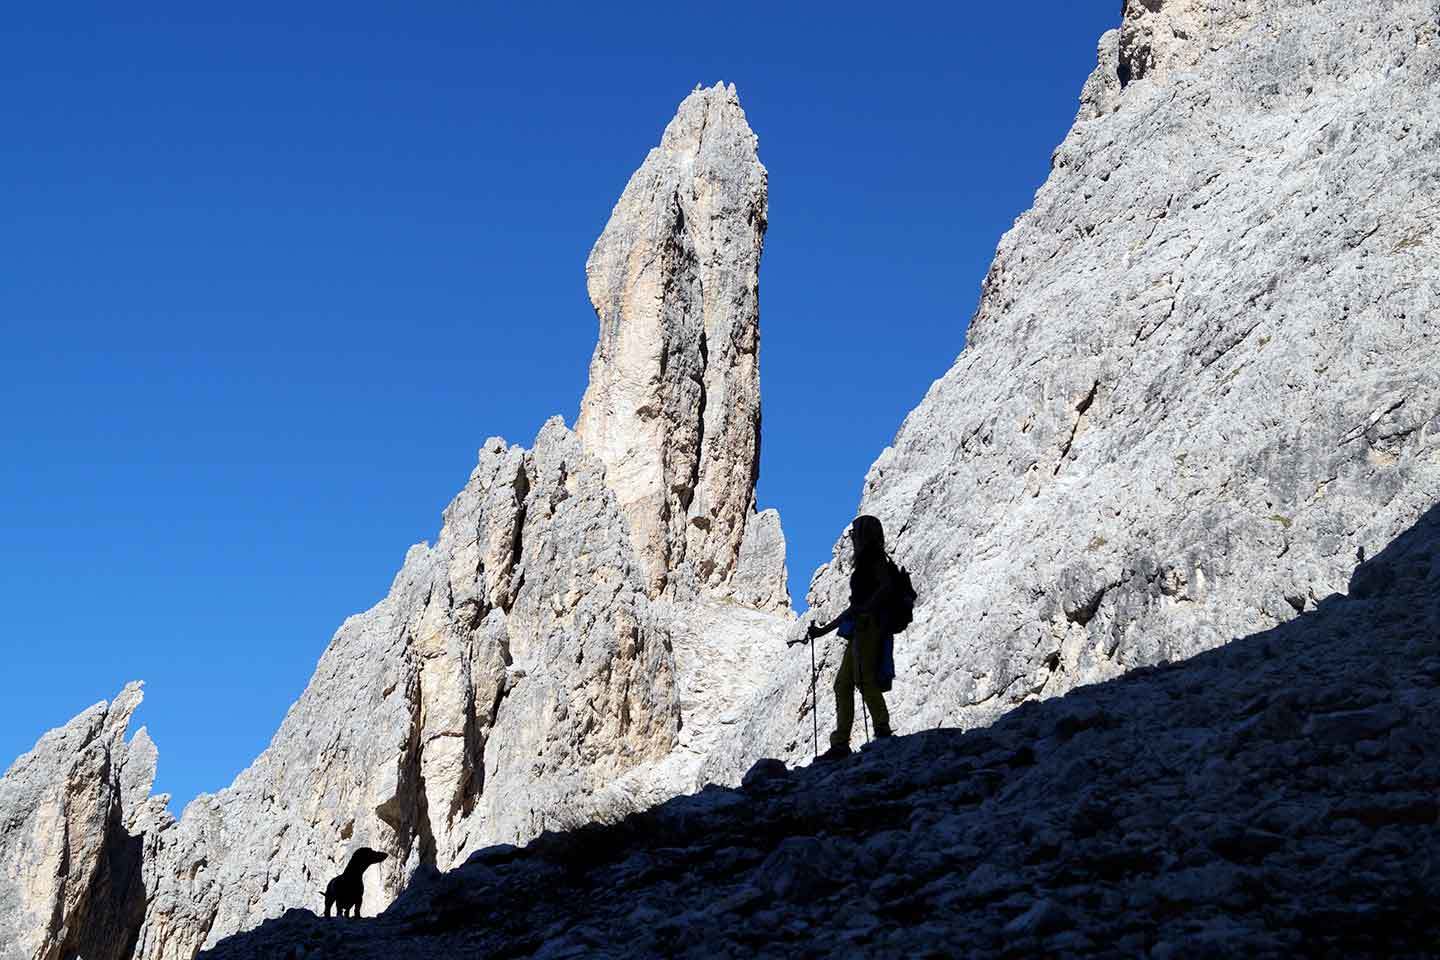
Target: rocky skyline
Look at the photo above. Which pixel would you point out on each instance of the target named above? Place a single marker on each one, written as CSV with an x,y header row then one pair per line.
x,y
267,482
1189,406
522,673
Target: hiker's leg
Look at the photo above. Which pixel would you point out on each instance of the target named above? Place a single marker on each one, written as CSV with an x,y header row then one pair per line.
x,y
844,698
879,713
867,668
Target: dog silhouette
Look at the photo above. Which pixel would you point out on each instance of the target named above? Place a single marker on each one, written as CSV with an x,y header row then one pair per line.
x,y
347,890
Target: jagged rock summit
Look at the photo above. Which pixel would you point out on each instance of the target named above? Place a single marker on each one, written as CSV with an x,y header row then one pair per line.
x,y
673,406
72,812
525,672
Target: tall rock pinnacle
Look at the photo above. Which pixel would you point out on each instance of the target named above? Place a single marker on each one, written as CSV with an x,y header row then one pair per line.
x,y
673,405
522,674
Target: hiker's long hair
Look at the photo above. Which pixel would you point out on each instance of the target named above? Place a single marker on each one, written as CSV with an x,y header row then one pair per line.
x,y
869,538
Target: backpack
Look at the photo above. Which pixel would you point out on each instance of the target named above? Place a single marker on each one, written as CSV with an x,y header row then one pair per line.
x,y
898,611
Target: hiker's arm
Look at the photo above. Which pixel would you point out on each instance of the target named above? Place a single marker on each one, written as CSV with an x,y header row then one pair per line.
x,y
815,631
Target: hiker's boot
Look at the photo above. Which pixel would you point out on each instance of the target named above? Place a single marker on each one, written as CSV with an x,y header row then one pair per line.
x,y
880,737
837,751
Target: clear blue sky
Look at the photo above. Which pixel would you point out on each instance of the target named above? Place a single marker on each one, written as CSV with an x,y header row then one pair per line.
x,y
269,277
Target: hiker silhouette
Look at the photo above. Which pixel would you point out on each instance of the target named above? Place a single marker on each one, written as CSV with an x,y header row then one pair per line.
x,y
867,626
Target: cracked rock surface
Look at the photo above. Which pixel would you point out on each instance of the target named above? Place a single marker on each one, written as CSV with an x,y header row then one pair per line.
x,y
673,406
1202,378
72,812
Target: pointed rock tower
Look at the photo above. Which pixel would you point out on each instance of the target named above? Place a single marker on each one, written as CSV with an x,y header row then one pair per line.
x,y
673,407
72,814
531,670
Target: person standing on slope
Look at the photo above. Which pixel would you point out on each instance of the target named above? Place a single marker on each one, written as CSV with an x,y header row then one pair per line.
x,y
868,662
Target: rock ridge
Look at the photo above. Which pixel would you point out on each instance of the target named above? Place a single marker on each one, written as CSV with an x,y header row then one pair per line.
x,y
521,673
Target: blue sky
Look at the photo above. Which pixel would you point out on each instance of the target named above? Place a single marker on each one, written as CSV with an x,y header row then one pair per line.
x,y
272,274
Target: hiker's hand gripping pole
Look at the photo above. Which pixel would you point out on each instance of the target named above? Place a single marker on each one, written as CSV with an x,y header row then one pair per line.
x,y
815,631
811,632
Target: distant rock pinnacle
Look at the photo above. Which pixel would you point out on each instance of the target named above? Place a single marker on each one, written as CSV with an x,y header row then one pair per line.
x,y
673,406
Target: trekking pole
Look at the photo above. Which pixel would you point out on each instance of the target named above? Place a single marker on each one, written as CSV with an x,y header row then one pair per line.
x,y
814,703
866,715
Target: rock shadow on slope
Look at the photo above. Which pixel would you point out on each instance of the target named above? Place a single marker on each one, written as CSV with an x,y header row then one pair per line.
x,y
1272,797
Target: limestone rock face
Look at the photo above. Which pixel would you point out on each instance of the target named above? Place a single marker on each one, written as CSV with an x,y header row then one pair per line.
x,y
518,677
673,406
1203,379
1160,35
761,578
72,814
514,670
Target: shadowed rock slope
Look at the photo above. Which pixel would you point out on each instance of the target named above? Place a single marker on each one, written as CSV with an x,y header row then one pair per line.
x,y
1274,797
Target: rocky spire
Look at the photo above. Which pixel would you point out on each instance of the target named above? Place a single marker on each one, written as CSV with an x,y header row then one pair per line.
x,y
519,676
673,405
73,815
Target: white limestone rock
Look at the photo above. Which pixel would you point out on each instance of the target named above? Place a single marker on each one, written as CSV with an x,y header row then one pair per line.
x,y
514,670
673,405
1201,382
70,862
761,578
1157,36
518,677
